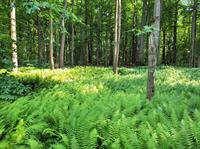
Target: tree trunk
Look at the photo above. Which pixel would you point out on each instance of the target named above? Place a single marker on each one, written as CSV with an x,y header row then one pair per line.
x,y
51,44
193,33
142,38
63,37
175,32
86,35
117,36
164,47
14,36
72,48
154,41
40,56
134,38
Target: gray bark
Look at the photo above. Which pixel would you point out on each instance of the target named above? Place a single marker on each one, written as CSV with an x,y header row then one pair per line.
x,y
63,38
154,41
51,44
117,36
14,36
72,48
142,38
193,33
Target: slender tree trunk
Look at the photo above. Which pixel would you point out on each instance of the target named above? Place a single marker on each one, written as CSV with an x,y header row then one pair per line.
x,y
14,36
193,33
72,48
164,47
117,36
134,38
63,38
86,34
98,43
175,32
111,41
142,38
40,55
154,40
51,44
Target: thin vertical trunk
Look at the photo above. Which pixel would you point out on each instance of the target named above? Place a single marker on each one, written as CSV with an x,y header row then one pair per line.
x,y
98,42
90,44
142,38
134,38
110,41
193,33
14,36
72,48
86,34
117,36
164,47
51,44
63,38
40,55
175,32
154,41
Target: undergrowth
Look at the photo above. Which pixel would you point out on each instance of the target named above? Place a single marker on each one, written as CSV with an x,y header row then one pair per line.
x,y
83,108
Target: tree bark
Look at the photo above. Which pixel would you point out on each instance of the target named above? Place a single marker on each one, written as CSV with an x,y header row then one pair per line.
x,y
164,47
40,55
175,32
142,38
63,38
14,36
193,33
72,48
117,36
154,41
86,35
134,37
51,44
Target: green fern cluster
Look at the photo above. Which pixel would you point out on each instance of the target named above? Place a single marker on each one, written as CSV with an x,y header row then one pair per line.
x,y
98,110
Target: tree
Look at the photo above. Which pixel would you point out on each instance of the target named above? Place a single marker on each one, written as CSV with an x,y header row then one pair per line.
x,y
13,35
193,32
117,35
40,56
134,37
175,31
154,41
72,42
142,37
63,37
51,42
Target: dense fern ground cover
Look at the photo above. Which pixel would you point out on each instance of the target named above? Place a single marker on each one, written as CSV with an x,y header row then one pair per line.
x,y
83,108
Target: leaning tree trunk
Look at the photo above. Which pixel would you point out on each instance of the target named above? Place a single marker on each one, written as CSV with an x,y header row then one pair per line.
x,y
14,36
154,41
117,35
63,37
193,33
51,44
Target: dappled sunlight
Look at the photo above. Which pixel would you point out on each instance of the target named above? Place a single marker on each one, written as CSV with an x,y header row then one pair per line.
x,y
91,88
97,104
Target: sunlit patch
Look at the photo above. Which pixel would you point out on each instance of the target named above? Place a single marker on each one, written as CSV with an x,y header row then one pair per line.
x,y
91,88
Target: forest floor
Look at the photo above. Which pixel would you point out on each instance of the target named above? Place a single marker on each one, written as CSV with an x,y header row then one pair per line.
x,y
89,107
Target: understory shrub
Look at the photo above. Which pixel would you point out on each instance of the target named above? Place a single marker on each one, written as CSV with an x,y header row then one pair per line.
x,y
10,87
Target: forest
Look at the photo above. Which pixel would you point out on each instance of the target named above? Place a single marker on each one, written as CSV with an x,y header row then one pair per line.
x,y
99,74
